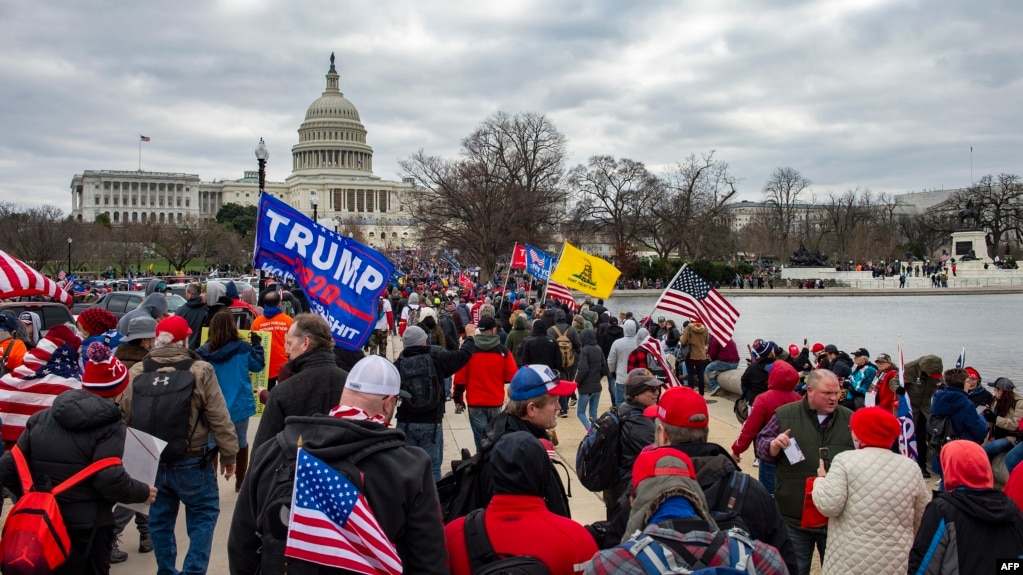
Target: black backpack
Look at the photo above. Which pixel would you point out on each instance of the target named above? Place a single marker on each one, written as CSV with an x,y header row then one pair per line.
x,y
940,430
596,459
727,506
419,379
483,560
273,518
161,403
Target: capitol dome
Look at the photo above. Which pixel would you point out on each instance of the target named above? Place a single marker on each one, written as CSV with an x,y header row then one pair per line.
x,y
332,137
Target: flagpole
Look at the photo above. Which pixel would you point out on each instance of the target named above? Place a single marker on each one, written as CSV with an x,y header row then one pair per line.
x,y
140,153
548,286
666,288
504,285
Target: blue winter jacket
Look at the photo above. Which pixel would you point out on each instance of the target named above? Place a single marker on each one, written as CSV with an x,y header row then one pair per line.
x,y
953,402
232,364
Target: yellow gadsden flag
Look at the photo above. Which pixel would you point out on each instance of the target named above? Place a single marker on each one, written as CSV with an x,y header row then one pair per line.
x,y
589,274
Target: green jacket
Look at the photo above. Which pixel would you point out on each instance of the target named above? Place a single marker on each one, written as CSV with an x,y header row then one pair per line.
x,y
791,479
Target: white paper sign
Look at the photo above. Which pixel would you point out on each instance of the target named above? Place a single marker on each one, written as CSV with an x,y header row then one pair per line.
x,y
793,452
141,460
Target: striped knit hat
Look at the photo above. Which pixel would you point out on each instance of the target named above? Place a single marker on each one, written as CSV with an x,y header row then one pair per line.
x,y
104,374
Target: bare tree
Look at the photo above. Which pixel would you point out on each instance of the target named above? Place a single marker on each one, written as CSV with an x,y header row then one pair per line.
x,y
783,193
505,187
613,197
1001,202
688,215
180,243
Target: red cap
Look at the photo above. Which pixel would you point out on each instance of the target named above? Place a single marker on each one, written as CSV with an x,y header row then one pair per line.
x,y
793,349
175,325
680,406
971,372
655,461
875,427
817,348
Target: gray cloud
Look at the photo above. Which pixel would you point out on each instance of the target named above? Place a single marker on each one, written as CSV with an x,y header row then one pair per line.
x,y
887,95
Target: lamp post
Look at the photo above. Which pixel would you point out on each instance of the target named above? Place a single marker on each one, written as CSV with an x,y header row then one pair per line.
x,y
315,200
69,240
262,155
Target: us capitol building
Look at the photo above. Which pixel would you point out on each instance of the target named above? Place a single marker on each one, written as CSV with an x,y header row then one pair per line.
x,y
332,166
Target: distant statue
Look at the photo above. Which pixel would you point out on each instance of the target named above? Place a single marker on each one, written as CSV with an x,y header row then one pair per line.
x,y
805,258
970,212
332,62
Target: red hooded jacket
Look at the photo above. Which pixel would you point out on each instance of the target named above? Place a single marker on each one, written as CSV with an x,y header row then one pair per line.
x,y
780,385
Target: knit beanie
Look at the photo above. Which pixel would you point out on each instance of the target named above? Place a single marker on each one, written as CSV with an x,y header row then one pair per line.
x,y
965,464
414,336
782,376
762,347
104,375
875,427
97,320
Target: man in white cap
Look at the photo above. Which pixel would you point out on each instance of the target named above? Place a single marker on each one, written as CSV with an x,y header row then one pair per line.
x,y
397,480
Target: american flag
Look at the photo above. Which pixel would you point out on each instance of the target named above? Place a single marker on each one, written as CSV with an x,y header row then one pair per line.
x,y
653,347
332,524
538,263
560,292
689,296
143,138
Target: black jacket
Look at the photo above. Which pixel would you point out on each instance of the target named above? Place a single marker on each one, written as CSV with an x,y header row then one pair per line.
x,y
58,442
635,433
398,485
754,379
557,499
606,335
964,531
313,388
194,312
842,365
714,468
591,364
539,348
445,363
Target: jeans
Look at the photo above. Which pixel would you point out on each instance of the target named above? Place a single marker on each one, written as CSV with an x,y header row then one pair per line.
x,y
1014,456
766,476
241,428
714,368
803,543
616,390
429,437
996,446
587,400
183,481
479,419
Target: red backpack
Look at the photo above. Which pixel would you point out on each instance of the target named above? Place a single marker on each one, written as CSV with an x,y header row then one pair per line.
x,y
34,539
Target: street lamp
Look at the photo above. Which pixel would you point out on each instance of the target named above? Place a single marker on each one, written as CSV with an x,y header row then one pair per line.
x,y
316,202
69,240
262,155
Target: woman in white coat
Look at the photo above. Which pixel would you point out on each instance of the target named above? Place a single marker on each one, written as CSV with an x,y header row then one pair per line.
x,y
874,499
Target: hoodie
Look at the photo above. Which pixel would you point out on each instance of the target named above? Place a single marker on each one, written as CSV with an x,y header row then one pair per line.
x,y
591,364
781,383
964,530
216,299
953,402
519,332
397,483
194,312
618,357
154,306
607,334
539,348
485,376
232,364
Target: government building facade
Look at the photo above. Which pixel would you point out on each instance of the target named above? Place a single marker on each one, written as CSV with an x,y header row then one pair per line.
x,y
332,168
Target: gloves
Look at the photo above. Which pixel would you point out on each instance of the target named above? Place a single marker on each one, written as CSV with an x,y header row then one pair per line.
x,y
989,415
900,391
254,338
459,408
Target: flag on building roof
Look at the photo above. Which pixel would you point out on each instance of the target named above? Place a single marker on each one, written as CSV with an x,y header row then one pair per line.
x,y
587,273
332,524
559,292
653,347
690,296
18,279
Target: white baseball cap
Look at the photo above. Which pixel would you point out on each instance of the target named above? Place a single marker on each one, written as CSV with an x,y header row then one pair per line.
x,y
374,374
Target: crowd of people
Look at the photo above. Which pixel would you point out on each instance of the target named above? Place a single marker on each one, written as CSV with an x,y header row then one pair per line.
x,y
836,474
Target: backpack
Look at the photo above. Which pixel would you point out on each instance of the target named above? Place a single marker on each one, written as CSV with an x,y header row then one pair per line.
x,y
35,540
726,508
565,345
413,316
161,404
659,556
419,379
940,430
596,459
273,518
483,560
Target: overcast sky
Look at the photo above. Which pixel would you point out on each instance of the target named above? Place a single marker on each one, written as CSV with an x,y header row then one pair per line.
x,y
886,95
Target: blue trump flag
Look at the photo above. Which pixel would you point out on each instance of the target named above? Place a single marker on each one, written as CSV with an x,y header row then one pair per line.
x,y
539,263
341,277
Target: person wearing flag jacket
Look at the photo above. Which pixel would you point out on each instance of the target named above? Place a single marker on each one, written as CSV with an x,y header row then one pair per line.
x,y
396,480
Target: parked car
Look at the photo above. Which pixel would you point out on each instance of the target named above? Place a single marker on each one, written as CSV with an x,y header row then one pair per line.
x,y
50,313
122,302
